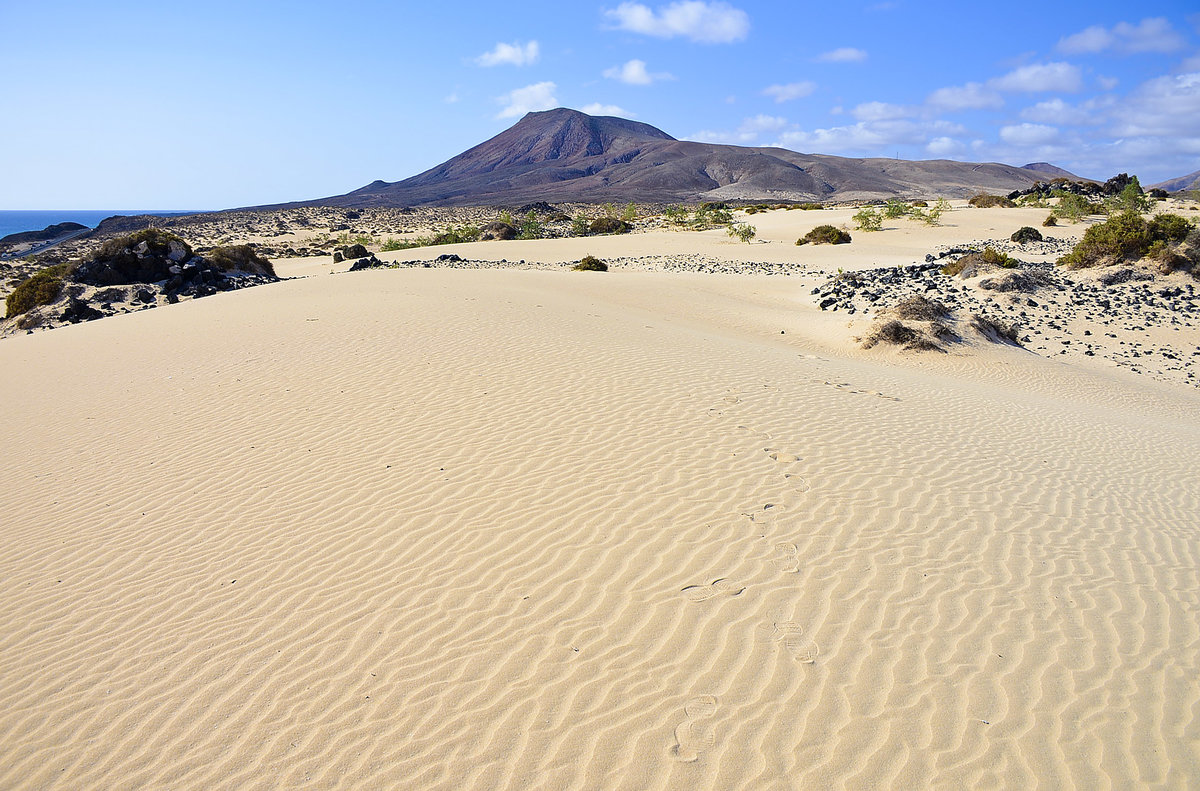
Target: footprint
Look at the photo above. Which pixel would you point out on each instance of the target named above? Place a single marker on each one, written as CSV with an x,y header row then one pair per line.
x,y
692,736
780,456
754,432
731,399
798,482
766,514
791,635
789,557
718,587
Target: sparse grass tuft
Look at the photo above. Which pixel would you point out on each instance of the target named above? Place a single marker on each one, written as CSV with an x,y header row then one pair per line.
x,y
986,201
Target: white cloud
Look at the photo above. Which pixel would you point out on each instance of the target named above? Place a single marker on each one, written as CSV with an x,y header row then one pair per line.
x,y
595,108
531,98
867,137
746,134
1191,64
790,91
881,111
945,147
514,54
451,99
1056,111
843,55
1162,107
972,96
705,22
634,73
1107,83
1040,77
1028,134
1150,35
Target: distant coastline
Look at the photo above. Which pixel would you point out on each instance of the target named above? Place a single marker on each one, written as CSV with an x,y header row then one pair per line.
x,y
36,220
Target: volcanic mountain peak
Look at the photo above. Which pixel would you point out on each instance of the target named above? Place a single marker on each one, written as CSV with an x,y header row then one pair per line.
x,y
564,155
555,135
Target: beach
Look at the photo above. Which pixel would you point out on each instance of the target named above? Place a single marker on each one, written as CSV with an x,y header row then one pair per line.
x,y
664,527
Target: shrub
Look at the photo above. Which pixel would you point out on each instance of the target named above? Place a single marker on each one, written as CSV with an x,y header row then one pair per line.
x,y
590,263
711,215
920,204
1169,227
894,208
240,258
498,230
605,225
579,225
630,213
1050,221
1025,235
157,241
986,201
1071,206
824,234
742,231
457,235
991,255
531,226
40,289
676,214
1129,198
868,219
1122,237
1128,237
807,206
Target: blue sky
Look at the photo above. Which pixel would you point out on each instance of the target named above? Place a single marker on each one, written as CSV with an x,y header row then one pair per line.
x,y
220,104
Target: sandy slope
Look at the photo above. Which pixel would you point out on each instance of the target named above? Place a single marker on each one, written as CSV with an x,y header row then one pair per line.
x,y
512,529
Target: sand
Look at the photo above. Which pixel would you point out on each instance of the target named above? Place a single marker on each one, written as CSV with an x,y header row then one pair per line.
x,y
430,528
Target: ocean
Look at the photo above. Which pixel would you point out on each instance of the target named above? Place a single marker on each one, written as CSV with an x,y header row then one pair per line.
x,y
17,221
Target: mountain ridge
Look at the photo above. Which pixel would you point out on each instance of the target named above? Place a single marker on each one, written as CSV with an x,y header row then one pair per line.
x,y
564,155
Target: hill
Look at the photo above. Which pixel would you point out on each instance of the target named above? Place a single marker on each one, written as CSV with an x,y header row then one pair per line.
x,y
1189,182
566,156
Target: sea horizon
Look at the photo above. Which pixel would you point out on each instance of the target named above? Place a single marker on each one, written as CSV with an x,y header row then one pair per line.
x,y
18,220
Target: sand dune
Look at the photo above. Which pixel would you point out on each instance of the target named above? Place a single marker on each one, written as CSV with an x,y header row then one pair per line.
x,y
523,529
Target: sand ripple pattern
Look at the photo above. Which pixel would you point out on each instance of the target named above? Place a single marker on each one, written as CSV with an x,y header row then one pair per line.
x,y
480,530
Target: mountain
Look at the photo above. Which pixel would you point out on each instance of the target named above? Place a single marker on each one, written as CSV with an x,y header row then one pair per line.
x,y
566,156
1053,171
1189,182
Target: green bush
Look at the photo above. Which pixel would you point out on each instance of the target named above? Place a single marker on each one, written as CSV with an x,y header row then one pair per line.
x,y
894,208
993,256
1071,206
1126,237
630,212
1050,221
460,234
607,225
240,258
986,201
531,227
742,231
40,289
590,263
579,225
868,219
676,215
1026,234
824,234
158,242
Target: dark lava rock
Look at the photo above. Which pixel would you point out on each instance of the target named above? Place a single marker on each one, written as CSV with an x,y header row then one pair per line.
x,y
354,251
77,310
370,262
448,258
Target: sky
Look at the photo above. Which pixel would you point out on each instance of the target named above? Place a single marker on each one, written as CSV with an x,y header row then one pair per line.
x,y
222,104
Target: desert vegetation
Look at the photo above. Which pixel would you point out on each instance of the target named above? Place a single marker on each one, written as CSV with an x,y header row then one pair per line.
x,y
985,201
742,231
1169,239
824,234
41,289
590,263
